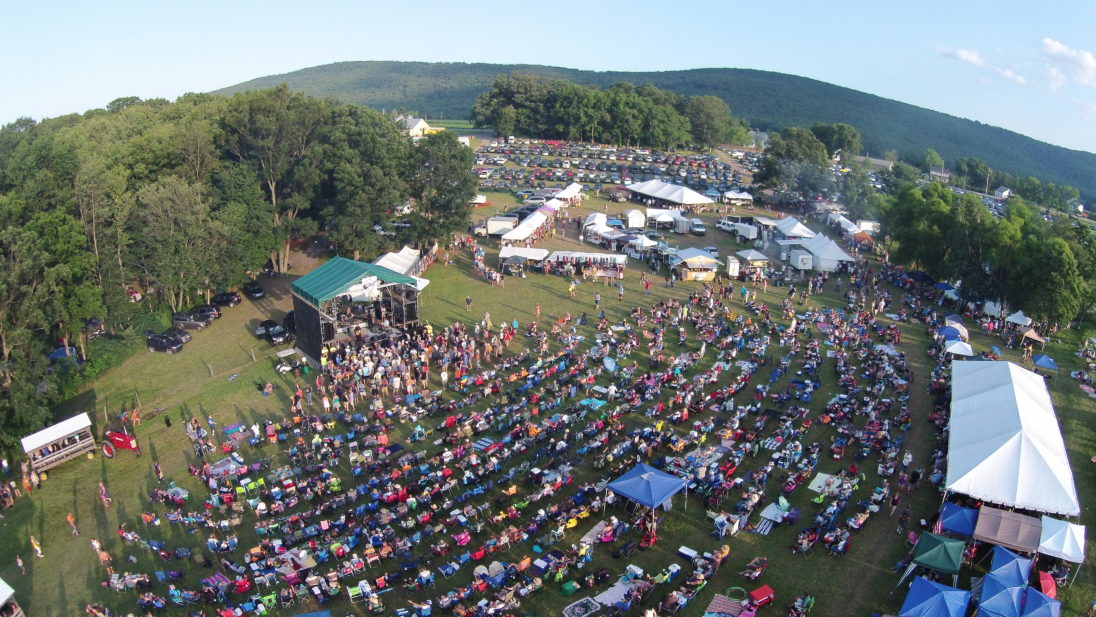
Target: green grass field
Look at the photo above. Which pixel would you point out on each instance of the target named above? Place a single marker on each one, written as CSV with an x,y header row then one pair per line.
x,y
196,383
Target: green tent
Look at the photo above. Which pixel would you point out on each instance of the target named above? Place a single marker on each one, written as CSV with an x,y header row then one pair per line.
x,y
939,553
339,274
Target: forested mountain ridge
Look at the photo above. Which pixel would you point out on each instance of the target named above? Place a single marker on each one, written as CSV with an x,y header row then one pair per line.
x,y
766,99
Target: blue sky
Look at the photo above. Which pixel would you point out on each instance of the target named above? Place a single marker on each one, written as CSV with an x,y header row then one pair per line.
x,y
1026,67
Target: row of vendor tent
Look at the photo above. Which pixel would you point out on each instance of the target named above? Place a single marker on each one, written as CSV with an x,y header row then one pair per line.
x,y
631,219
531,254
997,599
613,259
672,193
1004,443
788,228
826,255
1046,535
536,219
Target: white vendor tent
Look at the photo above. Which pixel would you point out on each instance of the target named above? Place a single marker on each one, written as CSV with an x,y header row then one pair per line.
x,y
576,256
530,254
526,228
673,193
642,243
737,197
660,215
1004,446
1019,318
827,254
1062,539
752,256
634,218
791,228
596,218
571,191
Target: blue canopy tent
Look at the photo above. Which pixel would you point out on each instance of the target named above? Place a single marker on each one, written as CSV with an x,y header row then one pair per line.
x,y
950,333
1038,604
1044,361
1000,598
1010,567
943,287
316,614
958,520
929,599
647,486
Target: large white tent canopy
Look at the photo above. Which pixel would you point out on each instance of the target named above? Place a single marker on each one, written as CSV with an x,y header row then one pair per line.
x,y
403,262
1004,444
672,193
824,248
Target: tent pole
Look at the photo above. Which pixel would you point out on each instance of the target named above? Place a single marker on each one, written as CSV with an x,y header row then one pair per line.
x,y
1072,580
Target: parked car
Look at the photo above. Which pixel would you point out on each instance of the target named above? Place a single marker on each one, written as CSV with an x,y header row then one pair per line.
x,y
713,251
178,334
205,310
272,331
228,298
166,344
697,228
188,322
254,290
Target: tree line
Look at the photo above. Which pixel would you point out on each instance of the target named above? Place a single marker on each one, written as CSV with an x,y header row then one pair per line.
x,y
1047,269
623,114
177,200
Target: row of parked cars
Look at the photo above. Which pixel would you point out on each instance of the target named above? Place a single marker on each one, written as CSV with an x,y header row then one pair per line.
x,y
171,340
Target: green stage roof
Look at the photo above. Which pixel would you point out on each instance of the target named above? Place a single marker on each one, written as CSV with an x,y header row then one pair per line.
x,y
339,274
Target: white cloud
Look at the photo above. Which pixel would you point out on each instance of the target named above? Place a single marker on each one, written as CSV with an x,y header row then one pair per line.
x,y
1080,62
1057,79
974,58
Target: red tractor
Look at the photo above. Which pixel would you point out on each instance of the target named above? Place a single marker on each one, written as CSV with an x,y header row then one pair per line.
x,y
115,440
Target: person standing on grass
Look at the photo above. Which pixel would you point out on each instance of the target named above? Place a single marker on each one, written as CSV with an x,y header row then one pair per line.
x,y
597,300
71,518
915,478
104,496
158,471
37,547
468,303
19,563
895,498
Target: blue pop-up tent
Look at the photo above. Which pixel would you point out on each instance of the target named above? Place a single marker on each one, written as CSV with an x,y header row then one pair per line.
x,y
647,486
1010,567
950,333
1000,597
1044,361
958,520
1038,604
929,599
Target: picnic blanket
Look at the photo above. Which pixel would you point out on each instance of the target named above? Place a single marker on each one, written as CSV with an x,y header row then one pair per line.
x,y
722,605
615,593
582,608
217,580
594,532
819,482
1087,389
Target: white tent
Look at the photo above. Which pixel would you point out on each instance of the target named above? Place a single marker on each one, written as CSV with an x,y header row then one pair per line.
x,y
613,258
1019,318
570,191
1062,539
643,242
751,255
403,262
738,197
530,254
696,258
596,218
992,308
1004,445
680,195
526,228
634,218
827,254
791,228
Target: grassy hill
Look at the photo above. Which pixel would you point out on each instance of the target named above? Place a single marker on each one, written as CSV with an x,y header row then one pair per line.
x,y
768,100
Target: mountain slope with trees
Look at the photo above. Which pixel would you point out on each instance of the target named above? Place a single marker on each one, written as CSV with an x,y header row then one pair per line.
x,y
767,100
